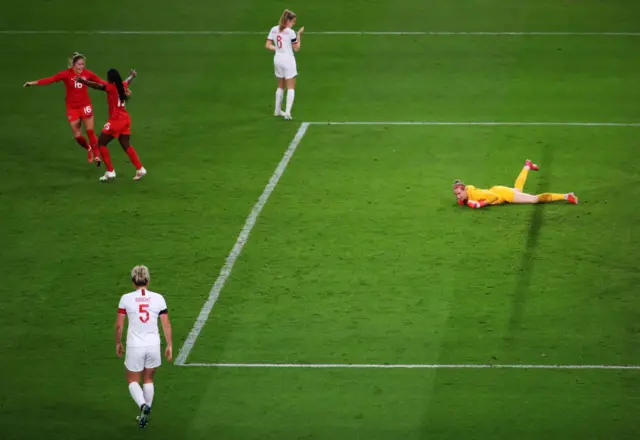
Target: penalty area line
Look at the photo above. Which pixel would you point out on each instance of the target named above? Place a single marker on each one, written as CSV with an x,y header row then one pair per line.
x,y
421,366
237,248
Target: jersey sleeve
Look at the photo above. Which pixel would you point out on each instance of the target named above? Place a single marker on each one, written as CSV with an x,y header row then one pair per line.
x,y
122,307
162,306
55,78
272,34
293,36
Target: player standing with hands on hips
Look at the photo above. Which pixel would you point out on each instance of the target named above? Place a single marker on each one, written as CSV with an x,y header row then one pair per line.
x,y
284,41
143,308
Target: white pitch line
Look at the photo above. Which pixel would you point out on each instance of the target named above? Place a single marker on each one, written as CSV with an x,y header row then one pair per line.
x,y
237,248
423,366
488,123
389,33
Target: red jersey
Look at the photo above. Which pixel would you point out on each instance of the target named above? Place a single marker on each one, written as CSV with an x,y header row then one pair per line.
x,y
77,95
116,107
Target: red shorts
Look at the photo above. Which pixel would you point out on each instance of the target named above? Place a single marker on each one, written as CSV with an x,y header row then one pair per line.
x,y
117,127
75,113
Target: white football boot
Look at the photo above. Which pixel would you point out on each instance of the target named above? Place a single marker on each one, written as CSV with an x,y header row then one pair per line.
x,y
140,174
109,175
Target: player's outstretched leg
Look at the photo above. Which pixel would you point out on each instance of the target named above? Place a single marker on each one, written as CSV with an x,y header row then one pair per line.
x,y
555,197
522,177
133,156
520,197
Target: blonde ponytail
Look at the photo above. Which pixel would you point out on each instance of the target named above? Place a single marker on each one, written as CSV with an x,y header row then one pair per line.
x,y
286,16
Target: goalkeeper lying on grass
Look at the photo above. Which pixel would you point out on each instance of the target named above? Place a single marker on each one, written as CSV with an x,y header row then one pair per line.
x,y
496,195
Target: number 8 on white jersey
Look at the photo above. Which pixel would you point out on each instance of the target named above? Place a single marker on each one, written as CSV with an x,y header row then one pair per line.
x,y
284,61
283,40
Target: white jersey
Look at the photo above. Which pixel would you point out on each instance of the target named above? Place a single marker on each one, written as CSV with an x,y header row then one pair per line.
x,y
143,308
283,41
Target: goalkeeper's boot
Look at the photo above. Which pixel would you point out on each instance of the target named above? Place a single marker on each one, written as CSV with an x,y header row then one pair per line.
x,y
532,166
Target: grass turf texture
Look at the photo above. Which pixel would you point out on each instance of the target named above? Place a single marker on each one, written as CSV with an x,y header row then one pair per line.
x,y
360,255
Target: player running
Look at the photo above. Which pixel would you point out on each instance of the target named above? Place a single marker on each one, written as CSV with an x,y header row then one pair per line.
x,y
497,195
284,41
143,308
79,109
119,123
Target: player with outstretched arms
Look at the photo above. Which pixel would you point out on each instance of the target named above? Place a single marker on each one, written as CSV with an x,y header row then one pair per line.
x,y
79,109
283,40
143,308
119,123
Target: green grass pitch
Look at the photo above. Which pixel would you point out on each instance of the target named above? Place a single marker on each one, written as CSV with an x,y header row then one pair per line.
x,y
360,255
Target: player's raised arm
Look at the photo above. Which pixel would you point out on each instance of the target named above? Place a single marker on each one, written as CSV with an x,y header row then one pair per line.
x,y
132,75
296,45
92,84
166,328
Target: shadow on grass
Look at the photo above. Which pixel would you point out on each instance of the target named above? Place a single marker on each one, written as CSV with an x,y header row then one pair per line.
x,y
527,261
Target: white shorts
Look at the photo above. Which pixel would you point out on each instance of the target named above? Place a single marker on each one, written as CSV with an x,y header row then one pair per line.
x,y
138,358
285,68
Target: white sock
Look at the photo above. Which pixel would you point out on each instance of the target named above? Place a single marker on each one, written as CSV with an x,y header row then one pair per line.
x,y
136,393
147,390
279,96
291,94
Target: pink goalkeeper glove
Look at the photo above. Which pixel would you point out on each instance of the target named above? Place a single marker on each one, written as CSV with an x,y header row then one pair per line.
x,y
475,205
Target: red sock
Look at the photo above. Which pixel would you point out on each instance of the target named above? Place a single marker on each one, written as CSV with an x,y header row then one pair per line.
x,y
93,141
82,142
106,158
131,152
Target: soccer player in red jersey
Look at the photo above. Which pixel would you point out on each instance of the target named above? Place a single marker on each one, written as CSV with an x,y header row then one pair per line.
x,y
79,109
119,123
